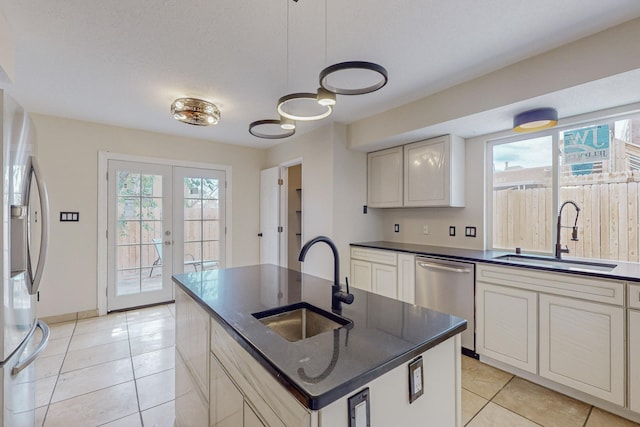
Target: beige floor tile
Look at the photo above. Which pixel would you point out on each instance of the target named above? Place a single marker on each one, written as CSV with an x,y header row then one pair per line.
x,y
152,326
92,356
44,390
117,322
95,408
81,381
493,415
482,379
61,330
132,420
40,414
600,418
48,366
92,339
542,405
152,342
156,389
160,416
148,314
153,362
471,405
56,346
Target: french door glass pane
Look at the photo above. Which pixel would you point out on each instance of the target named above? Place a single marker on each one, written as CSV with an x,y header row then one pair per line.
x,y
139,233
201,225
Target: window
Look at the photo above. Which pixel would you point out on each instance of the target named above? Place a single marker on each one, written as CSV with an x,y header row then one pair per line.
x,y
596,165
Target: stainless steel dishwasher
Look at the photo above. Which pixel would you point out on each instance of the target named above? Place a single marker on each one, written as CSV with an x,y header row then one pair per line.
x,y
449,287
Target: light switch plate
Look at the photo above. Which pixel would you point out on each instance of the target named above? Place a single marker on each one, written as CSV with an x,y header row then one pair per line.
x,y
416,379
359,413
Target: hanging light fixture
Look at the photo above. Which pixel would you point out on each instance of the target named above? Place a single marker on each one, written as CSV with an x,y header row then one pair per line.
x,y
303,107
195,111
336,71
271,129
534,120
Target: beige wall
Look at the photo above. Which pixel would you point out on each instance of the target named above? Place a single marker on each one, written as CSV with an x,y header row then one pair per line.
x,y
68,154
334,190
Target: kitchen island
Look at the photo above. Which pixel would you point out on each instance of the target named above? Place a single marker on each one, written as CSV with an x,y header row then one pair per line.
x,y
232,369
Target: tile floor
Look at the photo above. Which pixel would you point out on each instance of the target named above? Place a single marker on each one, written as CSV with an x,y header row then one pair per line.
x,y
115,370
118,371
494,398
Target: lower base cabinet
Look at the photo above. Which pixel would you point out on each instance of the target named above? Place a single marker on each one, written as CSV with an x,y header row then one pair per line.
x,y
582,346
506,321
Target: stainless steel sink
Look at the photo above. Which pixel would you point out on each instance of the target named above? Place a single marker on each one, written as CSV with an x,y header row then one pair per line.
x,y
562,264
300,321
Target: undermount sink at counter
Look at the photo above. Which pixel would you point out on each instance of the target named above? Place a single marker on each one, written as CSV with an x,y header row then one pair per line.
x,y
564,264
308,381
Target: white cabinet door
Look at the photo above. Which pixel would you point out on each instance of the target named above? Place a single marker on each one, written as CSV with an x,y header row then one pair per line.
x,y
507,325
384,280
434,172
226,403
361,274
407,278
582,346
634,360
191,406
384,178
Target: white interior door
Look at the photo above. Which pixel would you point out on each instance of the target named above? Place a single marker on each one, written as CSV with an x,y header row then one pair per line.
x,y
270,216
199,219
140,234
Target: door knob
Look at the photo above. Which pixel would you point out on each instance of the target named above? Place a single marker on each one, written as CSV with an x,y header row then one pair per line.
x,y
167,242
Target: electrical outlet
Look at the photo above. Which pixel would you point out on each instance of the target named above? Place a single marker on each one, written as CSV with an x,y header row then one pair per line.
x,y
425,229
416,379
396,228
452,230
359,413
470,231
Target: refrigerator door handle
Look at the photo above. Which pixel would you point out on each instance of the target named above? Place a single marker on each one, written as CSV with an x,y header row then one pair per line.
x,y
33,278
43,343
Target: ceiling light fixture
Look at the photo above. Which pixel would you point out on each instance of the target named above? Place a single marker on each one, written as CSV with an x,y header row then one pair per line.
x,y
195,111
271,129
325,97
295,102
533,120
286,123
338,71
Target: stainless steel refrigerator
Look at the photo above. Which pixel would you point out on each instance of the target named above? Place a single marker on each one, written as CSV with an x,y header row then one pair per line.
x,y
24,236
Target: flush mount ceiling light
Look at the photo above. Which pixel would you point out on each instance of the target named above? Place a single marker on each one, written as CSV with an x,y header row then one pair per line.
x,y
533,120
346,78
272,129
303,107
195,111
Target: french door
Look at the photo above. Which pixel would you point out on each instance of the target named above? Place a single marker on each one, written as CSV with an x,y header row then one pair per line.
x,y
162,220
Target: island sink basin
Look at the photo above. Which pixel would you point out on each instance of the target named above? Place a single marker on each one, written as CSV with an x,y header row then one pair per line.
x,y
557,263
300,321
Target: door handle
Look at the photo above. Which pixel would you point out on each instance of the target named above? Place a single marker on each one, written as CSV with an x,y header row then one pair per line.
x,y
43,343
167,242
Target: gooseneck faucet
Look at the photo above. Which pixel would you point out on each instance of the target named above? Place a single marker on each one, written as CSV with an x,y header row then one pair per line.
x,y
574,232
337,295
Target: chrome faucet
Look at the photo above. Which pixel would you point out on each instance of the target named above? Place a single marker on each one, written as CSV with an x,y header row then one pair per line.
x,y
574,232
337,295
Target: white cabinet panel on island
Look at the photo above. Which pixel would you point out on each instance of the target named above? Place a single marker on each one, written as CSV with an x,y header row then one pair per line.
x,y
634,360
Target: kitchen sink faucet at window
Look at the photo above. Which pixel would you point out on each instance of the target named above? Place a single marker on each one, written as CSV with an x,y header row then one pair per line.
x,y
574,232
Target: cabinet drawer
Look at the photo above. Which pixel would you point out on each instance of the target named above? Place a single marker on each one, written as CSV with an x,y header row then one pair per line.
x,y
374,255
571,285
634,296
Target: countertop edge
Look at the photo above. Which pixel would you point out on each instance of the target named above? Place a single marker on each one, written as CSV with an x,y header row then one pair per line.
x,y
487,256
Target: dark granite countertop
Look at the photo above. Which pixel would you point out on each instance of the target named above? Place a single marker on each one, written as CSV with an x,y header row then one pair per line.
x,y
318,370
623,271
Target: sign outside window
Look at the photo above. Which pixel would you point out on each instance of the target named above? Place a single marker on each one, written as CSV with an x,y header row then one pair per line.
x,y
586,145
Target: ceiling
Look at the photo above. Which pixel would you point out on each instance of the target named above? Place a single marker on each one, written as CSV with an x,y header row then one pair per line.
x,y
123,62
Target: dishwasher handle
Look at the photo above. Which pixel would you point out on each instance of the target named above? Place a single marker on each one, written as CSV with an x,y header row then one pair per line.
x,y
443,267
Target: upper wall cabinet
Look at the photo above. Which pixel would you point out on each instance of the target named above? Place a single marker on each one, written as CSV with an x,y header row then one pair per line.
x,y
384,189
421,174
434,172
